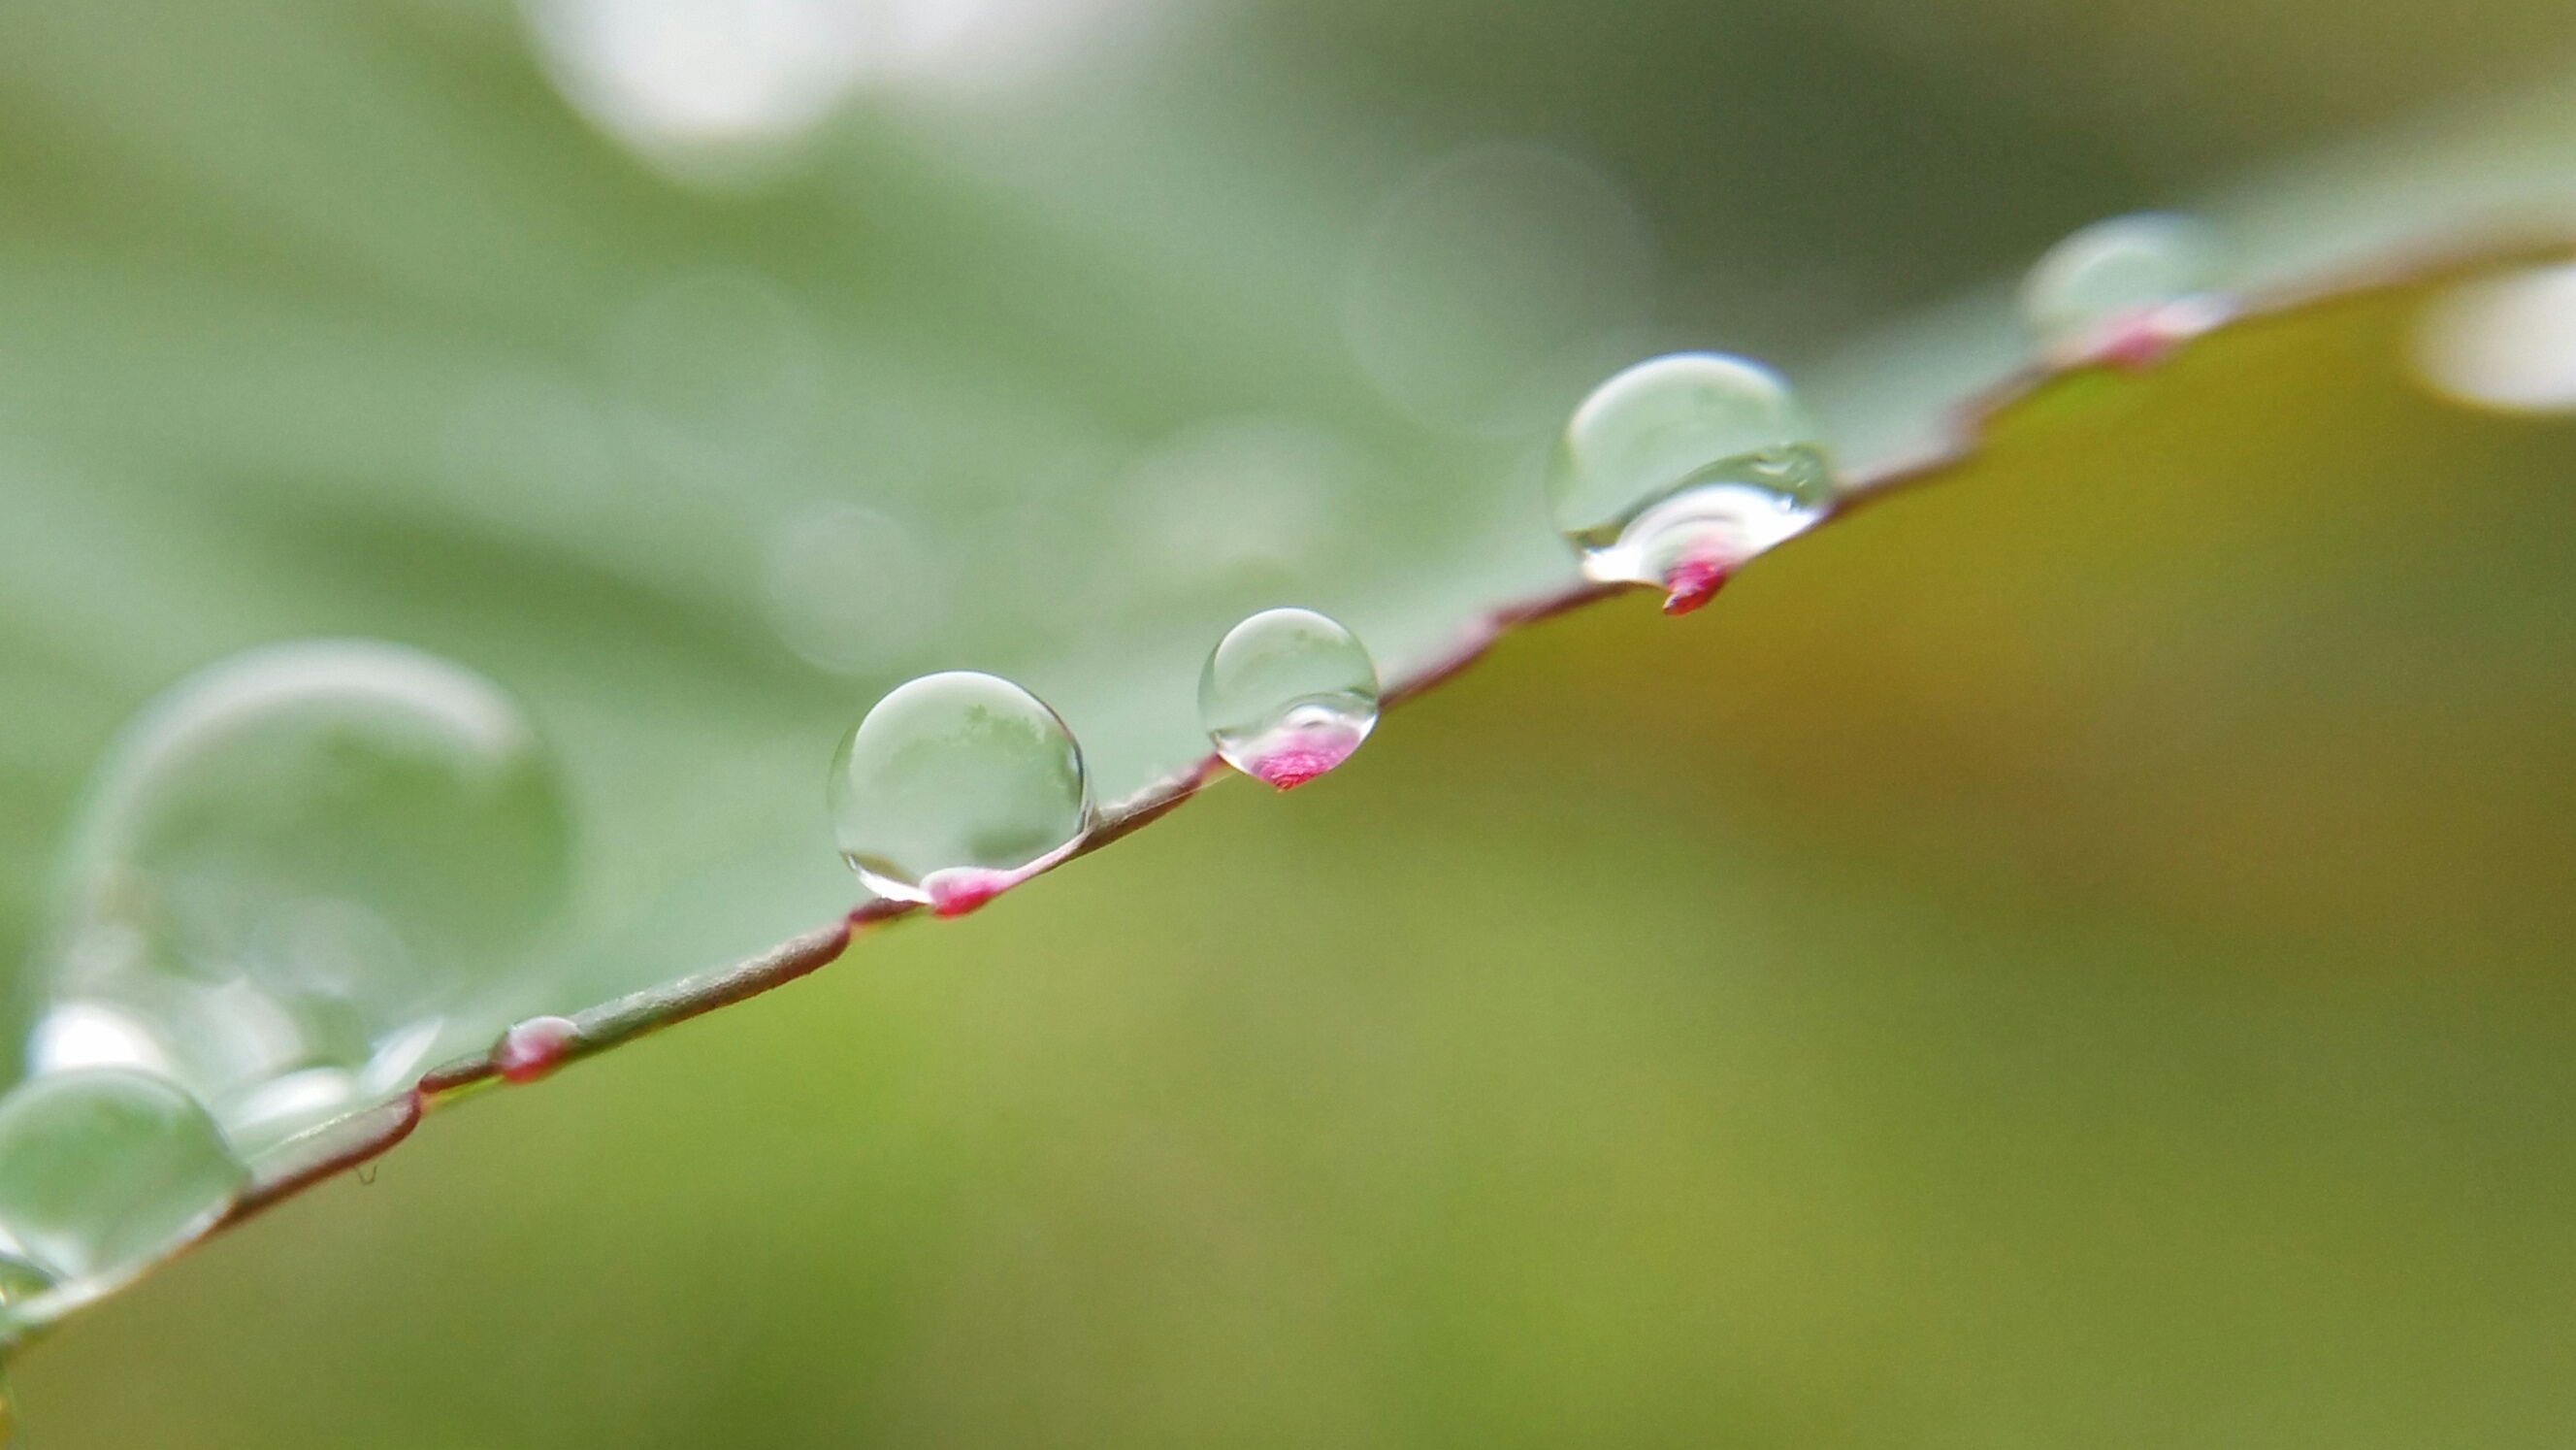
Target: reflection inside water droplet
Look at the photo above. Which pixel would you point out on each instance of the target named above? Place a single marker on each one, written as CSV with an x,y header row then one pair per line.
x,y
299,873
956,787
102,1172
1287,695
2125,290
20,1281
1680,470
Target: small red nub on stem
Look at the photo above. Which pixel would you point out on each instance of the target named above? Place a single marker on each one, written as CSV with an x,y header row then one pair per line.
x,y
533,1048
1694,582
960,889
2141,340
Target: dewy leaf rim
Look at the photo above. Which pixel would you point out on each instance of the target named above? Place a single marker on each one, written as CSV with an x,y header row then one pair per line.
x,y
357,1138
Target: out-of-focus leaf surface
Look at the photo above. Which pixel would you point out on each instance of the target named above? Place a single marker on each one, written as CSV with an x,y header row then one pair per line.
x,y
337,319
2072,956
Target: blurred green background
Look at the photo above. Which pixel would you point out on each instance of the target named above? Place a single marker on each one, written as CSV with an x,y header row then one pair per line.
x,y
2074,954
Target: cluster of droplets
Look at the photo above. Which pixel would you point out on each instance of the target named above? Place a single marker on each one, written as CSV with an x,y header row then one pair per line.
x,y
1679,471
958,786
299,875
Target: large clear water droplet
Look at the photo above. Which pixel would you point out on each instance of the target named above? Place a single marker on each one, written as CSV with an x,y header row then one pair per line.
x,y
1678,471
1287,695
955,787
2124,290
302,874
104,1171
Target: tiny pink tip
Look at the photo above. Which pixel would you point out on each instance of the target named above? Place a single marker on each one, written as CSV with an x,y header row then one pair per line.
x,y
1694,582
533,1048
2137,342
961,889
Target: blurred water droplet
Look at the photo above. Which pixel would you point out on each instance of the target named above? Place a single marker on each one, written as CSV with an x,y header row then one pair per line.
x,y
1489,288
723,91
2125,290
851,589
105,1170
955,787
299,872
1287,695
1241,497
2506,343
694,83
1678,471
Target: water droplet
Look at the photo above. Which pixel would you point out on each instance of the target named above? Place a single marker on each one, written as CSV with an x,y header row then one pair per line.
x,y
1679,471
956,787
2125,290
2505,343
300,873
105,1170
1287,695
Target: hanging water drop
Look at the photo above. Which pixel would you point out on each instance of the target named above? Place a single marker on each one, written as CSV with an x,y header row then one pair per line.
x,y
304,873
2125,290
1680,470
104,1171
1287,695
956,787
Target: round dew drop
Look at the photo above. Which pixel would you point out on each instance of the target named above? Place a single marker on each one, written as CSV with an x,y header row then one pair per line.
x,y
2126,290
1287,695
302,874
1679,471
104,1171
956,787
